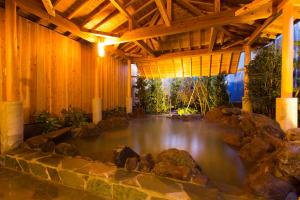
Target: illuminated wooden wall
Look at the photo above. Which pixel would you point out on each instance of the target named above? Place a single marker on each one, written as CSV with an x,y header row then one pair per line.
x,y
55,71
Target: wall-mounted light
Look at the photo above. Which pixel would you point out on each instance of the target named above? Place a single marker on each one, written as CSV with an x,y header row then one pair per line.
x,y
101,51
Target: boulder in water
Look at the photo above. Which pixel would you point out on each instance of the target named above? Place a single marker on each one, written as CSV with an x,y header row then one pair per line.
x,y
121,154
131,163
66,149
146,163
177,164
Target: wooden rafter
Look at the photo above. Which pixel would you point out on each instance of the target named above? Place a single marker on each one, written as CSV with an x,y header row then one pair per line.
x,y
199,52
251,7
91,16
121,8
145,47
78,8
213,30
170,9
190,7
100,33
123,11
191,24
57,20
259,29
49,7
163,12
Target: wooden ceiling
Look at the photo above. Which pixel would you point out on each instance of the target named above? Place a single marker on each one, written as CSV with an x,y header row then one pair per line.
x,y
149,29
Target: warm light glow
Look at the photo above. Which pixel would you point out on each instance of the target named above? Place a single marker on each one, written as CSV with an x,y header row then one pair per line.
x,y
101,51
110,41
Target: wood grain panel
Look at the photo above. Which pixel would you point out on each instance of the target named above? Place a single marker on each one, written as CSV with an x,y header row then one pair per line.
x,y
55,71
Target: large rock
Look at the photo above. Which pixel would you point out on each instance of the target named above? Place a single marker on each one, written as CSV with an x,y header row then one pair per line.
x,y
168,169
293,134
88,130
146,163
231,111
122,153
226,116
113,123
37,142
254,150
66,149
289,160
232,138
252,124
262,180
177,164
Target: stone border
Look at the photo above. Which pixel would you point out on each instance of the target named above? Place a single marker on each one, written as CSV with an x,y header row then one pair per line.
x,y
104,180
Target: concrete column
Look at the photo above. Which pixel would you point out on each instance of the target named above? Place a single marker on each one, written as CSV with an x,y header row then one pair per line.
x,y
129,86
286,105
97,101
246,101
11,109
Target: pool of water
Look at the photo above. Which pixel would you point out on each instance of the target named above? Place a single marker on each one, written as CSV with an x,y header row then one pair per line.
x,y
201,139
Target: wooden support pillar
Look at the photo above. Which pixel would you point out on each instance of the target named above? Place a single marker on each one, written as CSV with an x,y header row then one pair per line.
x,y
286,105
97,101
129,86
11,110
246,101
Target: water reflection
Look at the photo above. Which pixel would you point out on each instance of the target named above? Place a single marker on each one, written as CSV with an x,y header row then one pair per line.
x,y
154,134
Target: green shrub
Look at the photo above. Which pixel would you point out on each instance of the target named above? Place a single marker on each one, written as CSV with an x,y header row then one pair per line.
x,y
156,99
264,80
141,92
74,117
49,122
186,111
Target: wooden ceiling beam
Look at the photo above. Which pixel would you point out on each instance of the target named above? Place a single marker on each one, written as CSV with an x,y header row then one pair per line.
x,y
121,8
78,8
56,3
212,38
170,9
163,12
213,30
199,52
145,47
95,12
251,7
143,7
259,29
133,23
100,33
49,7
57,20
190,7
191,24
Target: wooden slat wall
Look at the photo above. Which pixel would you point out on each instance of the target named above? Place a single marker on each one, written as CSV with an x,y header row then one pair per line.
x,y
56,72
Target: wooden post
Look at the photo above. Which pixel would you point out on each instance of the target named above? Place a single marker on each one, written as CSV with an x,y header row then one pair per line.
x,y
11,110
287,106
246,101
97,101
129,96
11,69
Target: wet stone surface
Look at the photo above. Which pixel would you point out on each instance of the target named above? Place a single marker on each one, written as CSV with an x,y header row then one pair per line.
x,y
124,193
71,179
38,170
99,187
15,186
53,160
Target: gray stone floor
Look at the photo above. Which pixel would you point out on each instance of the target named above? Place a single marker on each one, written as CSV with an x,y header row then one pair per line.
x,y
18,186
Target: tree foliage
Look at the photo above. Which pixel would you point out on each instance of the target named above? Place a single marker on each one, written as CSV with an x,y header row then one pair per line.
x,y
264,80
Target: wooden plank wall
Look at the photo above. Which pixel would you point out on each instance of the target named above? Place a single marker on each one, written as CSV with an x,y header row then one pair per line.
x,y
55,71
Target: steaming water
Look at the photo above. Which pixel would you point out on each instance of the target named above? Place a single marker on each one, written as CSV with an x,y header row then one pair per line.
x,y
201,139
